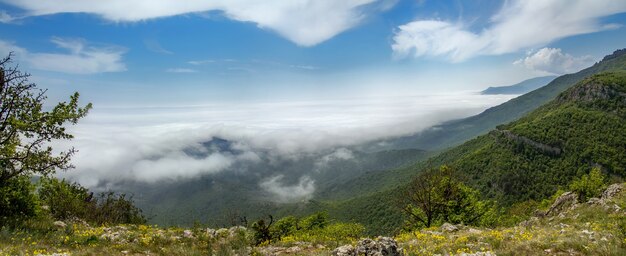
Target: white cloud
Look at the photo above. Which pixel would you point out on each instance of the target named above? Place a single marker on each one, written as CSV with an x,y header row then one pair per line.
x,y
553,60
5,17
338,154
147,144
181,70
289,193
519,24
155,46
305,22
81,59
200,62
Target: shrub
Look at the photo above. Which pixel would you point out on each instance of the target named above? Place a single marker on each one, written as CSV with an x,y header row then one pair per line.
x,y
17,201
316,220
589,185
284,227
67,200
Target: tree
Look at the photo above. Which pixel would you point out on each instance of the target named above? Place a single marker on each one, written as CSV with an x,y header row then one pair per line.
x,y
589,185
26,129
262,230
437,196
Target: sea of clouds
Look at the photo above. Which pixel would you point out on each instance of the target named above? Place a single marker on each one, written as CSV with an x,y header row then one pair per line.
x,y
151,144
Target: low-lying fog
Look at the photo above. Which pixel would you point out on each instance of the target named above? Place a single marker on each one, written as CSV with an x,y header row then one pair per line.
x,y
153,144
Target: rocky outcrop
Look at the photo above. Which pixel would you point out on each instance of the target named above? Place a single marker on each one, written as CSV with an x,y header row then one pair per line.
x,y
611,191
546,149
564,202
382,246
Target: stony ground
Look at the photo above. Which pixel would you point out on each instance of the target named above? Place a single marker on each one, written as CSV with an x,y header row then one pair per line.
x,y
597,227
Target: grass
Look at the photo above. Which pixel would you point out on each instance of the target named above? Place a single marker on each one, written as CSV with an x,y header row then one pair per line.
x,y
588,229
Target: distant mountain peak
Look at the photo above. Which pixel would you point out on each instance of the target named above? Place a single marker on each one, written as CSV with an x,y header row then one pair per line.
x,y
521,87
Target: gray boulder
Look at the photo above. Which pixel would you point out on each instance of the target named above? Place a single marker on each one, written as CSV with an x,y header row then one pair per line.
x,y
345,250
447,227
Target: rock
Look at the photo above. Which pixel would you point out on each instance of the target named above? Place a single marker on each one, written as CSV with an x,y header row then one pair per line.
x,y
236,230
345,250
477,254
611,191
564,202
474,231
383,246
59,224
447,227
187,233
211,233
293,249
594,200
222,232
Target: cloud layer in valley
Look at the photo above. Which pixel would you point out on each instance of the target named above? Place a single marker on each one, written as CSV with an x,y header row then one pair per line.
x,y
160,144
305,22
519,24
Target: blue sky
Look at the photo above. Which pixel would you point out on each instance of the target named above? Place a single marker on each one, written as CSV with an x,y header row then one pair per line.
x,y
284,78
193,52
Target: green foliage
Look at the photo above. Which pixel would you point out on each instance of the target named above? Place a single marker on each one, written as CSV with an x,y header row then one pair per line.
x,y
337,232
67,200
26,129
284,227
589,185
314,221
18,201
262,230
436,196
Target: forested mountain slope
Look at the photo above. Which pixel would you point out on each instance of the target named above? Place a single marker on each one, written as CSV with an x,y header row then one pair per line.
x,y
584,127
456,132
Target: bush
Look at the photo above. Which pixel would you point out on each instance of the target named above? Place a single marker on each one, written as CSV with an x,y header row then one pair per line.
x,y
589,185
18,201
316,220
70,200
284,227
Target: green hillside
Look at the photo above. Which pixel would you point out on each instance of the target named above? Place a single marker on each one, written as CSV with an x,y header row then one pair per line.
x,y
528,159
456,132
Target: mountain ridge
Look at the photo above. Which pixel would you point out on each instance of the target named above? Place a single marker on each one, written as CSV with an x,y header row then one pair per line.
x,y
521,87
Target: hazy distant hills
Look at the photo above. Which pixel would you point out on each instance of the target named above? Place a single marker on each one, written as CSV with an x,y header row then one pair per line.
x,y
455,132
521,87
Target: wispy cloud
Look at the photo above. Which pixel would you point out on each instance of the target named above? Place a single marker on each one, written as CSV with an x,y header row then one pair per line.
x,y
5,17
305,22
553,60
200,62
155,46
303,190
519,24
181,70
80,59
